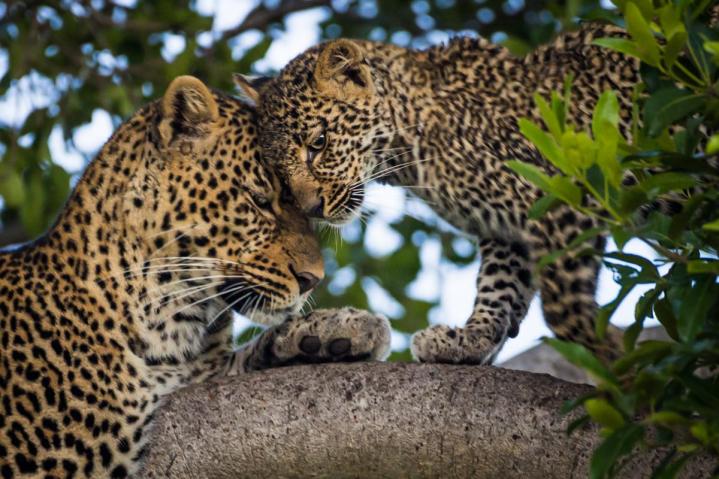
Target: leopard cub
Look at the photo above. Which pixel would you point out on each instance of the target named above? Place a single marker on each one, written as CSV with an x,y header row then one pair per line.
x,y
444,120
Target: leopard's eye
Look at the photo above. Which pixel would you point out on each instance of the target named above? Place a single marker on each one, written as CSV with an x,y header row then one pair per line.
x,y
319,143
315,147
261,201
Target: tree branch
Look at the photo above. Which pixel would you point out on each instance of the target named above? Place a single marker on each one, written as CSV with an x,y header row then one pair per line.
x,y
260,17
378,420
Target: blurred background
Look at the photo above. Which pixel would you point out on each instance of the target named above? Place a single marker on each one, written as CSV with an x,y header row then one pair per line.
x,y
71,71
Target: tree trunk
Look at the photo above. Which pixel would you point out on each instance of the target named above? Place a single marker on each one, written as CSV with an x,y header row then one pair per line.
x,y
378,420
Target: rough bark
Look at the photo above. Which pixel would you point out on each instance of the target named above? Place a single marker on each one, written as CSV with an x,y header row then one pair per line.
x,y
377,420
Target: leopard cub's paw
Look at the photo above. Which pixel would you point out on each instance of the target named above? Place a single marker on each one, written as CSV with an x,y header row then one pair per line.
x,y
444,344
346,334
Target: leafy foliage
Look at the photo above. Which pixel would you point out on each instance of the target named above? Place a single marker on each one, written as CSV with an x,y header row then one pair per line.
x,y
659,393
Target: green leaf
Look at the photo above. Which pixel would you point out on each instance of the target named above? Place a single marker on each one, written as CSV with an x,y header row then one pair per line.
x,y
12,189
631,334
665,314
700,431
701,266
546,145
548,115
559,104
604,413
620,236
572,404
670,19
564,189
702,389
646,351
645,7
606,134
542,205
642,310
580,356
668,106
648,270
712,225
669,469
713,48
606,115
531,173
661,183
606,311
695,304
249,333
622,45
674,47
667,418
618,444
713,145
639,29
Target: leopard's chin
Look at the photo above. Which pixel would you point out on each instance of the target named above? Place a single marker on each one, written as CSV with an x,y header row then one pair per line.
x,y
252,301
344,220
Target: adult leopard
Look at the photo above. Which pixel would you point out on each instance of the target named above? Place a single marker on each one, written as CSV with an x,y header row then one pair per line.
x,y
445,120
128,296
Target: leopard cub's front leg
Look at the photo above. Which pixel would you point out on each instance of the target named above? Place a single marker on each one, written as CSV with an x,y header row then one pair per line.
x,y
504,289
329,335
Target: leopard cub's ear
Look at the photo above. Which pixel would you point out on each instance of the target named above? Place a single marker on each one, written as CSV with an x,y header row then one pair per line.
x,y
188,110
341,71
250,86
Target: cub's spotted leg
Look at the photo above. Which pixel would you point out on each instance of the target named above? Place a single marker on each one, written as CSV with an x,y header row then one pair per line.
x,y
568,288
330,335
504,289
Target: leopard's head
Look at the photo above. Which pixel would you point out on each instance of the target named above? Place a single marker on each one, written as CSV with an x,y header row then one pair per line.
x,y
321,126
212,214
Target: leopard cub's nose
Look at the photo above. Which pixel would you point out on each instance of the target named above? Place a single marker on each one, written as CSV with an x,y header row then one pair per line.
x,y
317,211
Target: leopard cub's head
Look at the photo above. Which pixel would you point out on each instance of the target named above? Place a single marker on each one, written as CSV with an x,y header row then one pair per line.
x,y
320,125
213,216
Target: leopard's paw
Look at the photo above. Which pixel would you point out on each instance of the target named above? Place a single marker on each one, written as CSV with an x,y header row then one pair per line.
x,y
332,335
443,344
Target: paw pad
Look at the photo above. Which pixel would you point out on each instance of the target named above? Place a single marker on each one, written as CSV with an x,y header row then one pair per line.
x,y
310,345
340,346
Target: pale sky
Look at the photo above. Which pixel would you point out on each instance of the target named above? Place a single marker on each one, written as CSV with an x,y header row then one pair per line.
x,y
453,285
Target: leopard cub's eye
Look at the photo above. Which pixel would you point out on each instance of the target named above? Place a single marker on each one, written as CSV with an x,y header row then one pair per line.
x,y
261,201
318,144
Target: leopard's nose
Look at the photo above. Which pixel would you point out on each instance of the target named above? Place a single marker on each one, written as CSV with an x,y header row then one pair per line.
x,y
306,280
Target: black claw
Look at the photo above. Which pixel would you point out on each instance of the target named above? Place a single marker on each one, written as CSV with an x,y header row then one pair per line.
x,y
340,346
513,329
310,344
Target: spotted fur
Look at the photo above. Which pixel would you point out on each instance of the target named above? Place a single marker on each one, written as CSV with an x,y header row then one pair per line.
x,y
128,296
444,121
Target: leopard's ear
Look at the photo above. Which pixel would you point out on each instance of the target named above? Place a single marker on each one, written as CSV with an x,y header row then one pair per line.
x,y
250,86
188,110
342,72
